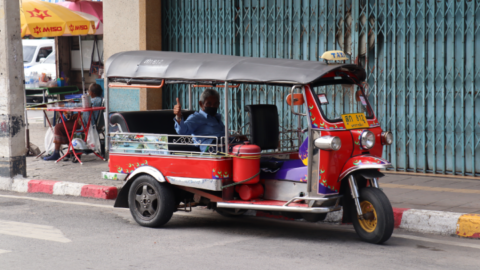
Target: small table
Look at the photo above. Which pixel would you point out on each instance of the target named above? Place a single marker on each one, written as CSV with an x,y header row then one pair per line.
x,y
48,91
85,128
43,107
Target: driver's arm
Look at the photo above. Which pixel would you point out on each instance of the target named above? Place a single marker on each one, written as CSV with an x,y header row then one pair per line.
x,y
188,126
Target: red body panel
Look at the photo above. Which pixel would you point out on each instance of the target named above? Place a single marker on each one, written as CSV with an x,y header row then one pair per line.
x,y
194,167
362,162
333,163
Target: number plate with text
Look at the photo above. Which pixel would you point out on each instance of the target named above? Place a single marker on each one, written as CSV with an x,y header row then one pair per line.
x,y
355,120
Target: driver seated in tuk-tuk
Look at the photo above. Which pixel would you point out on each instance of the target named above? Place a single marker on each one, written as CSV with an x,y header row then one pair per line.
x,y
205,122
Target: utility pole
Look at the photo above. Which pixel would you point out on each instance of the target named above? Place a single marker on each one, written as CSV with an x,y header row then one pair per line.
x,y
12,93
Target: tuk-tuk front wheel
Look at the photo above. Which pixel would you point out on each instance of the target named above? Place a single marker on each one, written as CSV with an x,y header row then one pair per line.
x,y
377,223
151,203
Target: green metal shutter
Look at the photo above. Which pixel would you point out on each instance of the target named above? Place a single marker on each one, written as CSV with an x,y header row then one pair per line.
x,y
420,57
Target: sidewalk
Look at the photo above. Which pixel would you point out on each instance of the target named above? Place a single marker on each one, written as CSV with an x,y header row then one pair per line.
x,y
89,173
432,192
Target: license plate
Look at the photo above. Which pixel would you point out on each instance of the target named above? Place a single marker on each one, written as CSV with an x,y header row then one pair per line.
x,y
355,120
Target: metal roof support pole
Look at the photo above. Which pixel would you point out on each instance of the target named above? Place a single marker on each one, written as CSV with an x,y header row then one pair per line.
x,y
189,97
107,112
227,135
81,63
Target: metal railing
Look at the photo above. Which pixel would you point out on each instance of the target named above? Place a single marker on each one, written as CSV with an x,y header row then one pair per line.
x,y
162,144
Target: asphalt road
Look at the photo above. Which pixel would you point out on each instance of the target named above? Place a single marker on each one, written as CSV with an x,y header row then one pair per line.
x,y
51,232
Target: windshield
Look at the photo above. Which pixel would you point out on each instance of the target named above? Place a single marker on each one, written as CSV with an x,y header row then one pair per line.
x,y
342,99
28,53
50,59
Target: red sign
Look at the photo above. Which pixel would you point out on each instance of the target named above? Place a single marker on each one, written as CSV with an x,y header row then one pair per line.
x,y
37,30
52,29
42,14
77,27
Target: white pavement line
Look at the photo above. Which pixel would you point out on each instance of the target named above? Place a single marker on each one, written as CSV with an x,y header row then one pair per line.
x,y
55,201
4,251
436,241
427,221
35,231
67,188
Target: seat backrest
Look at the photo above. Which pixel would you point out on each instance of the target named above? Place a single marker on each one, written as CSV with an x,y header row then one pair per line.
x,y
158,122
264,128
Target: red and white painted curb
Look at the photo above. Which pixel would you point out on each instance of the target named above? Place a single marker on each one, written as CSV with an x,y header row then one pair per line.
x,y
58,188
414,220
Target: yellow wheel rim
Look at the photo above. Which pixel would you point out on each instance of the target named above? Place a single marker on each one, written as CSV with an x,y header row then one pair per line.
x,y
368,225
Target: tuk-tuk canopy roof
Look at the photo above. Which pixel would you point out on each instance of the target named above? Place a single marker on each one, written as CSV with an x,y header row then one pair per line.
x,y
135,65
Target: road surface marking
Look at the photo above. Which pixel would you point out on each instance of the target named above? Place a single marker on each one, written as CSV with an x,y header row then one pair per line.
x,y
4,251
436,241
35,231
455,190
411,237
55,201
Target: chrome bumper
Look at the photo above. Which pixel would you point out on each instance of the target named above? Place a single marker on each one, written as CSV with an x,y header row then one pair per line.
x,y
286,207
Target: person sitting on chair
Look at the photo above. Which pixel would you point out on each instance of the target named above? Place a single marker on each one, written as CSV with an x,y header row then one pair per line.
x,y
205,122
60,134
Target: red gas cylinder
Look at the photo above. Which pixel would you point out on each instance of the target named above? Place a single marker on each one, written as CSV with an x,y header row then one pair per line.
x,y
246,163
250,192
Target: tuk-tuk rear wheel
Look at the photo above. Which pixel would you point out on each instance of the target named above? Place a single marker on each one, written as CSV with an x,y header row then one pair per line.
x,y
151,203
377,225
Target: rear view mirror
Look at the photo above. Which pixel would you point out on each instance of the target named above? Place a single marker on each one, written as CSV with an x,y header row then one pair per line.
x,y
297,99
42,60
358,94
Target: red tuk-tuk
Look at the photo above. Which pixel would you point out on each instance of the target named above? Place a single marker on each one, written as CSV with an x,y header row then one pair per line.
x,y
330,165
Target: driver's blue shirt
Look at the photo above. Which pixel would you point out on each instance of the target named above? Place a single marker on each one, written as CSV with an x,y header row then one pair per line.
x,y
202,124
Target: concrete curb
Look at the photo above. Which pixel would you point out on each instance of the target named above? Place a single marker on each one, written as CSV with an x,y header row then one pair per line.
x,y
23,185
414,220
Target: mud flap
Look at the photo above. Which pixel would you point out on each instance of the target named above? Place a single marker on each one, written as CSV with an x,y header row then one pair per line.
x,y
122,198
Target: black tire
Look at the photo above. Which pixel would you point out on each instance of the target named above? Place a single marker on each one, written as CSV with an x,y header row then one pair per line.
x,y
151,203
380,228
314,217
227,212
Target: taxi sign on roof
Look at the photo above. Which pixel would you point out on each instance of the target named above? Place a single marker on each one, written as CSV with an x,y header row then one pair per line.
x,y
334,56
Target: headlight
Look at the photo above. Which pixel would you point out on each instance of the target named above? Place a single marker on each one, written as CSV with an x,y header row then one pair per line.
x,y
328,143
367,140
387,138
